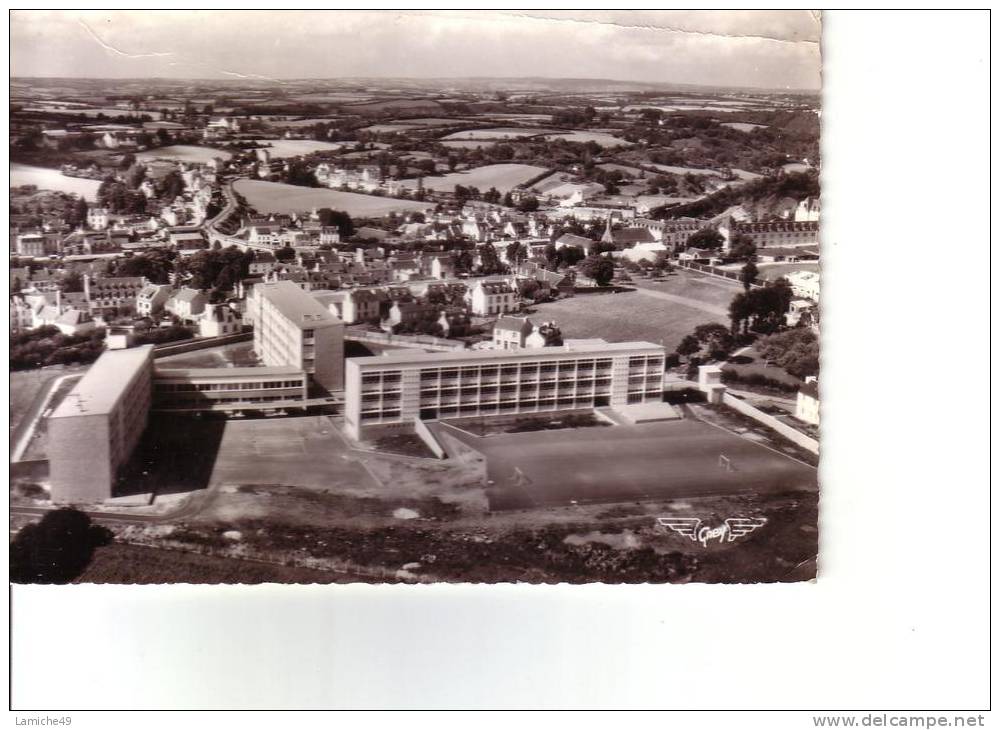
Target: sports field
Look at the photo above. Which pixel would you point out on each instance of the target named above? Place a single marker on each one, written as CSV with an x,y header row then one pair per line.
x,y
664,460
271,197
657,312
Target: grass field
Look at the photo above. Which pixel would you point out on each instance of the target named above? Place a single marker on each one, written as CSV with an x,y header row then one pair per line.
x,y
496,133
639,316
45,179
601,138
183,153
503,177
271,197
295,147
678,459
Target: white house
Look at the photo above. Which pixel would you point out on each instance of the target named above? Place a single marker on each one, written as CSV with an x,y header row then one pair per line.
x,y
807,402
805,284
217,320
97,218
492,297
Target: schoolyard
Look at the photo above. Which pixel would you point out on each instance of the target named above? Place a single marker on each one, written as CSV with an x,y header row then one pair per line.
x,y
665,460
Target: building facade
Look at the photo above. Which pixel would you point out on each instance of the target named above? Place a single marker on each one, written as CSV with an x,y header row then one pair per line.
x,y
216,389
94,430
292,329
388,392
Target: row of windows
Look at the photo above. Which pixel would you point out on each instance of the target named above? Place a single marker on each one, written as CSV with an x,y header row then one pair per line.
x,y
181,402
253,385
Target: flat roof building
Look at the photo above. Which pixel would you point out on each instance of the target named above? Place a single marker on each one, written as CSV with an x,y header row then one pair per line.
x,y
389,392
196,390
94,430
292,329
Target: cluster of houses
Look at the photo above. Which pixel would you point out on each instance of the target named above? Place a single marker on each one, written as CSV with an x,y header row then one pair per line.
x,y
41,302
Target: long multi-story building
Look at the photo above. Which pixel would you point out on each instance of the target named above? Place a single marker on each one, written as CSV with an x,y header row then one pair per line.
x,y
389,392
292,329
772,233
96,427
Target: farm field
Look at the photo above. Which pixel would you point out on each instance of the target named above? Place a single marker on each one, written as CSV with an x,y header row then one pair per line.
x,y
45,179
496,133
183,153
271,197
503,177
601,138
675,170
295,147
111,112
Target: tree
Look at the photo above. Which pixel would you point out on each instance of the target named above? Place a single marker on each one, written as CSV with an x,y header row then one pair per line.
x,y
739,313
338,218
748,275
742,247
516,252
688,346
796,350
286,253
71,281
716,338
77,213
154,265
528,204
170,186
705,238
598,268
571,255
56,549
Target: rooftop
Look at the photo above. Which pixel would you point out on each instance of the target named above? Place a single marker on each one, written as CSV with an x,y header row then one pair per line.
x,y
587,347
99,390
164,373
296,304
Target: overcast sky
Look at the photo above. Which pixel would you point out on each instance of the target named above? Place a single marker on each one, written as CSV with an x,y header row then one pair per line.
x,y
772,49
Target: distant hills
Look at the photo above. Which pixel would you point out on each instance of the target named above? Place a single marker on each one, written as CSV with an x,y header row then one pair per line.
x,y
531,84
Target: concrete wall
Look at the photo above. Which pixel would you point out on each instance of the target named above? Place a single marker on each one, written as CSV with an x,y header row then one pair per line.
x,y
425,435
80,468
329,349
796,437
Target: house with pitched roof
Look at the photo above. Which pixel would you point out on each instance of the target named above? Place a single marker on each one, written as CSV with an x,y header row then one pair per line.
x,y
488,298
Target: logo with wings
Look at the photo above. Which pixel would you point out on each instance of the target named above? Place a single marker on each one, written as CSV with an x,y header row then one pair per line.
x,y
729,531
